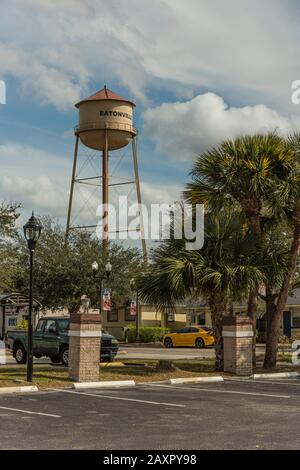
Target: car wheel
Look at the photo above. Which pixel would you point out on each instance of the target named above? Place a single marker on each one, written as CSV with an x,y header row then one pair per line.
x,y
55,359
200,343
64,356
20,354
168,343
107,359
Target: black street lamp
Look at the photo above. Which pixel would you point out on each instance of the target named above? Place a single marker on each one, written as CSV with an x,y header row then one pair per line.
x,y
100,277
133,288
32,231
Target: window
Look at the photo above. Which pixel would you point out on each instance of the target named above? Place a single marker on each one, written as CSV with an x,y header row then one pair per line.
x,y
40,326
12,322
112,315
198,318
296,321
63,325
50,324
184,330
194,330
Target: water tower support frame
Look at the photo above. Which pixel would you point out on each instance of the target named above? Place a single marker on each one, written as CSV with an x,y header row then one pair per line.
x,y
72,185
139,198
105,192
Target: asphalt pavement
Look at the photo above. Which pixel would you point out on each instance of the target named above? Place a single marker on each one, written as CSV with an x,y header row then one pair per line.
x,y
235,414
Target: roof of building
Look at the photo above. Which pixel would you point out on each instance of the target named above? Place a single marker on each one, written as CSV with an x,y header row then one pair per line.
x,y
104,94
16,298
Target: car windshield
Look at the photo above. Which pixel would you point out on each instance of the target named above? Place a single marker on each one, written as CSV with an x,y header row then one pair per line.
x,y
63,324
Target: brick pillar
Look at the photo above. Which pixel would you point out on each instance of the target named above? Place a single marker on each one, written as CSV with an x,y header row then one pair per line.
x,y
237,337
84,347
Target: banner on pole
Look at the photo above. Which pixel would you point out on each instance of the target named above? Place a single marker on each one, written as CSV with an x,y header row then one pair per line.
x,y
133,307
106,299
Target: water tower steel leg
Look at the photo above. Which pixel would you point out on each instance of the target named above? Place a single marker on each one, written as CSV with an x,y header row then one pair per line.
x,y
72,186
105,193
139,198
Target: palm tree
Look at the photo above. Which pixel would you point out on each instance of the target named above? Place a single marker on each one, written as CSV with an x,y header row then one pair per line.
x,y
220,272
244,173
288,193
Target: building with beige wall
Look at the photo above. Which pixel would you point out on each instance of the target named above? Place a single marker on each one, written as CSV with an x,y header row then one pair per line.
x,y
197,313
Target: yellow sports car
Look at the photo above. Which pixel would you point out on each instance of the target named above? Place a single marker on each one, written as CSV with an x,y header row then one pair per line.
x,y
190,336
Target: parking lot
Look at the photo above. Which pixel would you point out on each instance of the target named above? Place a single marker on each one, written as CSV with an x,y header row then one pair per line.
x,y
235,414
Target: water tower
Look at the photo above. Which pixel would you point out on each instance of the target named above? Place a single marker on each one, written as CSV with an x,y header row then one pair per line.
x,y
105,124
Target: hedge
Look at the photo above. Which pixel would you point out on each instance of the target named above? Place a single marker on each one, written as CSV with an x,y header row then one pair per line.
x,y
147,334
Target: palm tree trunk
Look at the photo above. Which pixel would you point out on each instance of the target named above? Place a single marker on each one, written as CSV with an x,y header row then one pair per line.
x,y
218,310
275,321
271,327
252,313
253,294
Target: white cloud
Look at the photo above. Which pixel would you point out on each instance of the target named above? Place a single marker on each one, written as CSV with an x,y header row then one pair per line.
x,y
183,130
34,177
56,47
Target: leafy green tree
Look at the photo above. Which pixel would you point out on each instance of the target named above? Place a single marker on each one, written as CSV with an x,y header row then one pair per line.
x,y
63,271
220,272
8,216
255,174
288,194
8,260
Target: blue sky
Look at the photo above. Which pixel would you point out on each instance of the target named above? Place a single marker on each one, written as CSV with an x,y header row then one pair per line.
x,y
198,72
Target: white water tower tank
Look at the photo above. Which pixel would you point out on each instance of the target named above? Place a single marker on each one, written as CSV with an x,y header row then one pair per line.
x,y
103,113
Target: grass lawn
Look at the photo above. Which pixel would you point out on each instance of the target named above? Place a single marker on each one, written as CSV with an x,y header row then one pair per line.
x,y
47,376
281,357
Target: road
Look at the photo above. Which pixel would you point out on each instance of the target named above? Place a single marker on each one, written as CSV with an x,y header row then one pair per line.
x,y
162,353
235,414
150,353
146,353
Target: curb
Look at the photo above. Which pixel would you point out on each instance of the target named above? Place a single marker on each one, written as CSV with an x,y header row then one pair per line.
x,y
21,389
217,378
275,375
108,384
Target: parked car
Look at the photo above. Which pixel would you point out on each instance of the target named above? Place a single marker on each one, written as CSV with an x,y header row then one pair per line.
x,y
51,339
190,336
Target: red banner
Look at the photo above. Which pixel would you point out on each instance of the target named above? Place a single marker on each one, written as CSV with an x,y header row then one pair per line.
x,y
106,300
133,307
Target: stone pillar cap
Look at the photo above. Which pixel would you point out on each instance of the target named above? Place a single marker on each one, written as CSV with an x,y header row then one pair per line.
x,y
85,318
236,320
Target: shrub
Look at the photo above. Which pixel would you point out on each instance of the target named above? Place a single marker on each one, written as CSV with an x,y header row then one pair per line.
x,y
147,334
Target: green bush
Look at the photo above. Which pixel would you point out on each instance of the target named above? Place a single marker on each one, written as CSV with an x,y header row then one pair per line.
x,y
147,334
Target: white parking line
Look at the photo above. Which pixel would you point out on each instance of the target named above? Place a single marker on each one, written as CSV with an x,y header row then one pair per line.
x,y
29,412
110,397
249,381
235,392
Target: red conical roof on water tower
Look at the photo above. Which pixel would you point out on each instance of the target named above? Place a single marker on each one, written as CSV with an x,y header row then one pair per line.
x,y
104,94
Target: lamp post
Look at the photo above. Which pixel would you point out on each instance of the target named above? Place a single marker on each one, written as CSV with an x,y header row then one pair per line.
x,y
32,231
133,288
101,277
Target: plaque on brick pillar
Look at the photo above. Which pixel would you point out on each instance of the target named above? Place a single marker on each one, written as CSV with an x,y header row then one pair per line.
x,y
238,339
84,347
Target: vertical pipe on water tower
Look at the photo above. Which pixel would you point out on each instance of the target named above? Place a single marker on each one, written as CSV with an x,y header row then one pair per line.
x,y
105,193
